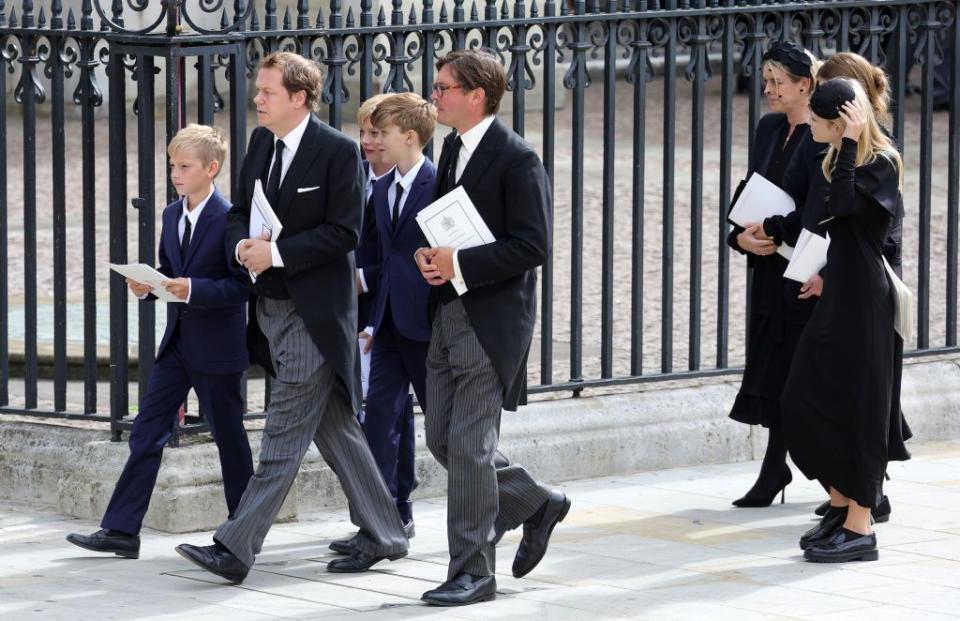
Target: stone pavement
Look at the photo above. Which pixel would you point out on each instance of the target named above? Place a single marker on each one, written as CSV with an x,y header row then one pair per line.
x,y
664,545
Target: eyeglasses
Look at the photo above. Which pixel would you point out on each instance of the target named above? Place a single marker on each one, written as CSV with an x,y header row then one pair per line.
x,y
443,88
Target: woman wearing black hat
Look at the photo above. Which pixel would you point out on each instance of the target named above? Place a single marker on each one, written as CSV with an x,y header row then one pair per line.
x,y
876,85
781,153
836,402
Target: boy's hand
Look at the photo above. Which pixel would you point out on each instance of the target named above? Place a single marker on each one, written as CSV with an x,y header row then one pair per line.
x,y
139,289
179,287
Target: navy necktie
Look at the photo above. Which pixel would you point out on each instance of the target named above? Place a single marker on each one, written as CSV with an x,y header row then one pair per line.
x,y
396,207
273,183
185,241
451,177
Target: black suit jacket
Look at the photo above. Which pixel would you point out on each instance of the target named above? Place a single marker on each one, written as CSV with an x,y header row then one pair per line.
x,y
321,226
507,183
367,256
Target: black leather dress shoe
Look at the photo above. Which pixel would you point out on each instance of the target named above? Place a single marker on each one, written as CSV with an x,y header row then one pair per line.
x,y
880,514
127,546
217,560
345,546
360,561
830,523
536,537
462,591
844,546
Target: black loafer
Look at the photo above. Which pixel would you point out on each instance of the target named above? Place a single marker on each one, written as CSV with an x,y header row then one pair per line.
x,y
346,546
127,546
463,591
360,561
829,524
217,560
844,546
343,546
536,537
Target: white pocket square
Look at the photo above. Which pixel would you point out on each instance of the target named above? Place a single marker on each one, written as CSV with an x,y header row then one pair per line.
x,y
310,189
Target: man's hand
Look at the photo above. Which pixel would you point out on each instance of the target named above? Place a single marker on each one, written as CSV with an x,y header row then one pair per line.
x,y
255,255
428,269
368,345
139,289
179,287
811,288
749,242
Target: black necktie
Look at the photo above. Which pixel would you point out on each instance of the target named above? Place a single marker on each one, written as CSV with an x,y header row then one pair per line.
x,y
451,178
273,183
396,207
185,241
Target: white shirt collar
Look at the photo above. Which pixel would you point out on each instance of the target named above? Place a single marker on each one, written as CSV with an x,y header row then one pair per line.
x,y
372,178
291,142
472,137
194,214
407,180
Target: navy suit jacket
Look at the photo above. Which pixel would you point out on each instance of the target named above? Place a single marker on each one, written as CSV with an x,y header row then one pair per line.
x,y
367,256
399,277
213,325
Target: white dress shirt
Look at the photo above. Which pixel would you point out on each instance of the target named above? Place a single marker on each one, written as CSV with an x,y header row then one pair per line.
x,y
471,140
194,216
291,142
406,182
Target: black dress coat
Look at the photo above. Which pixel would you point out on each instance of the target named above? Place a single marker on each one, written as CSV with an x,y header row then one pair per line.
x,y
320,205
777,316
507,183
837,399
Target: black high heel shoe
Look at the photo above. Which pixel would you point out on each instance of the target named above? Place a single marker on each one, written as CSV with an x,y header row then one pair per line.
x,y
880,514
754,498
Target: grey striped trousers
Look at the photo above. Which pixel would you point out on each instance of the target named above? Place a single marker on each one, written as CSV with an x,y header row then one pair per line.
x,y
487,495
309,403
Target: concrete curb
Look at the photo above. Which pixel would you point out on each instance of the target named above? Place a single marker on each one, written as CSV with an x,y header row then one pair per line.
x,y
666,426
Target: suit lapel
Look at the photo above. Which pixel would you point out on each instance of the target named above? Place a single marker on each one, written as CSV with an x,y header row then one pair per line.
x,y
420,185
484,155
258,164
306,153
203,222
172,238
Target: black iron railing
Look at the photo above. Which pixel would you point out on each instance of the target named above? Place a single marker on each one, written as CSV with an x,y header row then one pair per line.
x,y
610,77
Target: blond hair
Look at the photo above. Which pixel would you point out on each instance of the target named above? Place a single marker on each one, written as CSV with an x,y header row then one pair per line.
x,y
204,141
368,106
873,79
408,111
873,142
299,74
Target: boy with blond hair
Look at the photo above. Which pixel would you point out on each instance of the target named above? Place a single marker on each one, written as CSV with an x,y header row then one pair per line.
x,y
203,348
401,332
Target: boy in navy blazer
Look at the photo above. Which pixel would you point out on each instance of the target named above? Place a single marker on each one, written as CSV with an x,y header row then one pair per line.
x,y
204,346
401,333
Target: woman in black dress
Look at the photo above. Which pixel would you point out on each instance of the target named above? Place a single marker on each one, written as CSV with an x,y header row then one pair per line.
x,y
837,399
782,153
876,85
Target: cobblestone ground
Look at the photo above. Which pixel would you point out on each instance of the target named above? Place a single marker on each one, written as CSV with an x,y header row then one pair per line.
x,y
592,234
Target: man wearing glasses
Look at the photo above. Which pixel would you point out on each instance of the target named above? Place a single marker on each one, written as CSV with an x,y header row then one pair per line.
x,y
476,363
